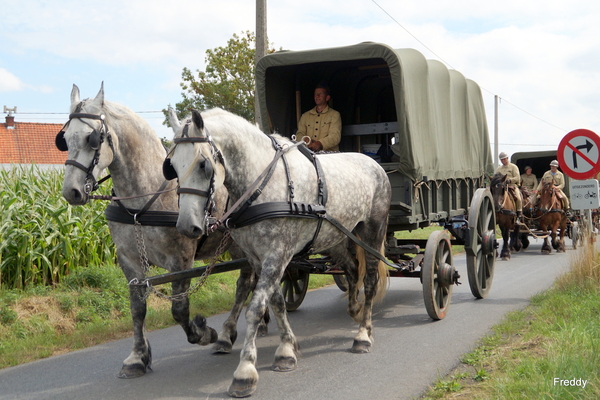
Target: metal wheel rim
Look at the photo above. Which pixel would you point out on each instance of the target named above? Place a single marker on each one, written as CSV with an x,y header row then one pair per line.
x,y
436,293
481,256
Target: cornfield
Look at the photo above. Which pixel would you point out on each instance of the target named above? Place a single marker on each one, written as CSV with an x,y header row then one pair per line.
x,y
42,237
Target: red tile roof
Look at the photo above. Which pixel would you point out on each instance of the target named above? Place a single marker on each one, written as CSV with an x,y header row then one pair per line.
x,y
30,143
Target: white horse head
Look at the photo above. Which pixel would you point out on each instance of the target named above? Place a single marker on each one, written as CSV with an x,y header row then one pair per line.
x,y
91,146
194,160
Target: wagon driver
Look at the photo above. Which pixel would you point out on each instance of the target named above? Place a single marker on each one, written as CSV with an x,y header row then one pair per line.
x,y
322,124
514,179
557,177
529,180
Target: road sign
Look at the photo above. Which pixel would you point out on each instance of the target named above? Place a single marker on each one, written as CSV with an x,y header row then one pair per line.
x,y
584,194
579,154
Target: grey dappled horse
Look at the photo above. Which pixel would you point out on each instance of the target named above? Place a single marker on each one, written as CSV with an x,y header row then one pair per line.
x,y
218,149
103,135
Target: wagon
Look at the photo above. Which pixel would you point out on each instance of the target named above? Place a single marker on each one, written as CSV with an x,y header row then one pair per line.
x,y
426,126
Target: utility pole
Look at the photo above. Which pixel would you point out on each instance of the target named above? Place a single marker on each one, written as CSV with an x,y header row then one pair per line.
x,y
261,48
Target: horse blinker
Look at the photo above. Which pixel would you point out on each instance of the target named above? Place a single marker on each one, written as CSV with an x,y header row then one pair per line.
x,y
208,168
60,141
95,139
168,170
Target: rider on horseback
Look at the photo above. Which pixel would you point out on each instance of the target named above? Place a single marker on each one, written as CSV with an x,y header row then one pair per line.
x,y
556,177
514,178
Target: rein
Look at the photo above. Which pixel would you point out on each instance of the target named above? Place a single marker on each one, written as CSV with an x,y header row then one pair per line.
x,y
117,198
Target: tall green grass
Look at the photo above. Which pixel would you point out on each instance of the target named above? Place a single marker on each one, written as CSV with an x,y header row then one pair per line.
x,y
42,238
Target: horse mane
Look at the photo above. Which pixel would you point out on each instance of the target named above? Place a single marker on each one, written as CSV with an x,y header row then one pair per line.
x,y
548,196
121,118
497,178
218,118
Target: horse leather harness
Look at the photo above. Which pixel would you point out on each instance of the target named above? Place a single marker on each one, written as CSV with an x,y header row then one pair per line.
x,y
244,213
118,212
95,140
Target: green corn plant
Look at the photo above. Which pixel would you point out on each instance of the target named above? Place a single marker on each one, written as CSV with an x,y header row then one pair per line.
x,y
42,237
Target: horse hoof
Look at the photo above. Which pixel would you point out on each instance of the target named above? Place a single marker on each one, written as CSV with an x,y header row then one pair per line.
x,y
505,258
133,371
360,347
242,387
284,364
204,334
222,347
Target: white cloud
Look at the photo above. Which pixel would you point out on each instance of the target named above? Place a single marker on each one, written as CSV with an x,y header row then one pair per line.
x,y
9,82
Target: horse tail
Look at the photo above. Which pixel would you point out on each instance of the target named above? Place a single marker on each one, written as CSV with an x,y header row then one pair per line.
x,y
382,273
383,281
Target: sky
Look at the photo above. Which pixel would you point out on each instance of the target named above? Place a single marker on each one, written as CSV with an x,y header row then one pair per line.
x,y
540,58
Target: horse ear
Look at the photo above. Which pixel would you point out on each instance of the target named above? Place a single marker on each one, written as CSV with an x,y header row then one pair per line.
x,y
100,96
174,120
197,119
75,95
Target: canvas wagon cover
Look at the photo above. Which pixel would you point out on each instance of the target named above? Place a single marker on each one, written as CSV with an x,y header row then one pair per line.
x,y
440,115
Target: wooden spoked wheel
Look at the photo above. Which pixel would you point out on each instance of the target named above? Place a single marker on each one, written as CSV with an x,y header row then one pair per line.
x,y
341,281
437,274
481,249
294,285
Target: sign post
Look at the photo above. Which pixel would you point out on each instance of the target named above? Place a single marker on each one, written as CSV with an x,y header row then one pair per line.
x,y
579,157
579,154
584,194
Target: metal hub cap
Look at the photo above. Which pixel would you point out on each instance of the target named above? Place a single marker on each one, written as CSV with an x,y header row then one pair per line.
x,y
445,275
487,241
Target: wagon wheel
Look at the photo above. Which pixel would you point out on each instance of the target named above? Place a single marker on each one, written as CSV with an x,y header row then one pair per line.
x,y
341,281
294,285
437,274
481,248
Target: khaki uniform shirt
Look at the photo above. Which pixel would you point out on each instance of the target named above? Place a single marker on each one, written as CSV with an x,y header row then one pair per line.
x,y
325,127
511,171
529,181
559,179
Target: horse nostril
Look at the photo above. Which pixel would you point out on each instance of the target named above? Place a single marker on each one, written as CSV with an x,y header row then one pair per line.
x,y
197,231
75,197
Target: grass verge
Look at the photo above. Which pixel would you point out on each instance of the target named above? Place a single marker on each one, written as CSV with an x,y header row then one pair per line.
x,y
549,350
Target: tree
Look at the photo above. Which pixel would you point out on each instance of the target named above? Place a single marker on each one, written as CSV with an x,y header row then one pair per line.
x,y
228,81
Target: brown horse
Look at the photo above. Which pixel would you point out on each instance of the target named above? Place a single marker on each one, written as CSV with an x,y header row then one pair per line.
x,y
528,215
552,217
506,215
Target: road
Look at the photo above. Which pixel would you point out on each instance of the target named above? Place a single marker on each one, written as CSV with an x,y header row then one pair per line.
x,y
410,352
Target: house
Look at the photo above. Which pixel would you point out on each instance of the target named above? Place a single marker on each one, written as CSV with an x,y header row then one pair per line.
x,y
29,143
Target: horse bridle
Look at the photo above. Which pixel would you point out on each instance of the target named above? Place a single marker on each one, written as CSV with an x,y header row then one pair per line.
x,y
504,187
95,140
205,165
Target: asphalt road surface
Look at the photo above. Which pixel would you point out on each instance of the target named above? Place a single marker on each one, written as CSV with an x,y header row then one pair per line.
x,y
410,351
